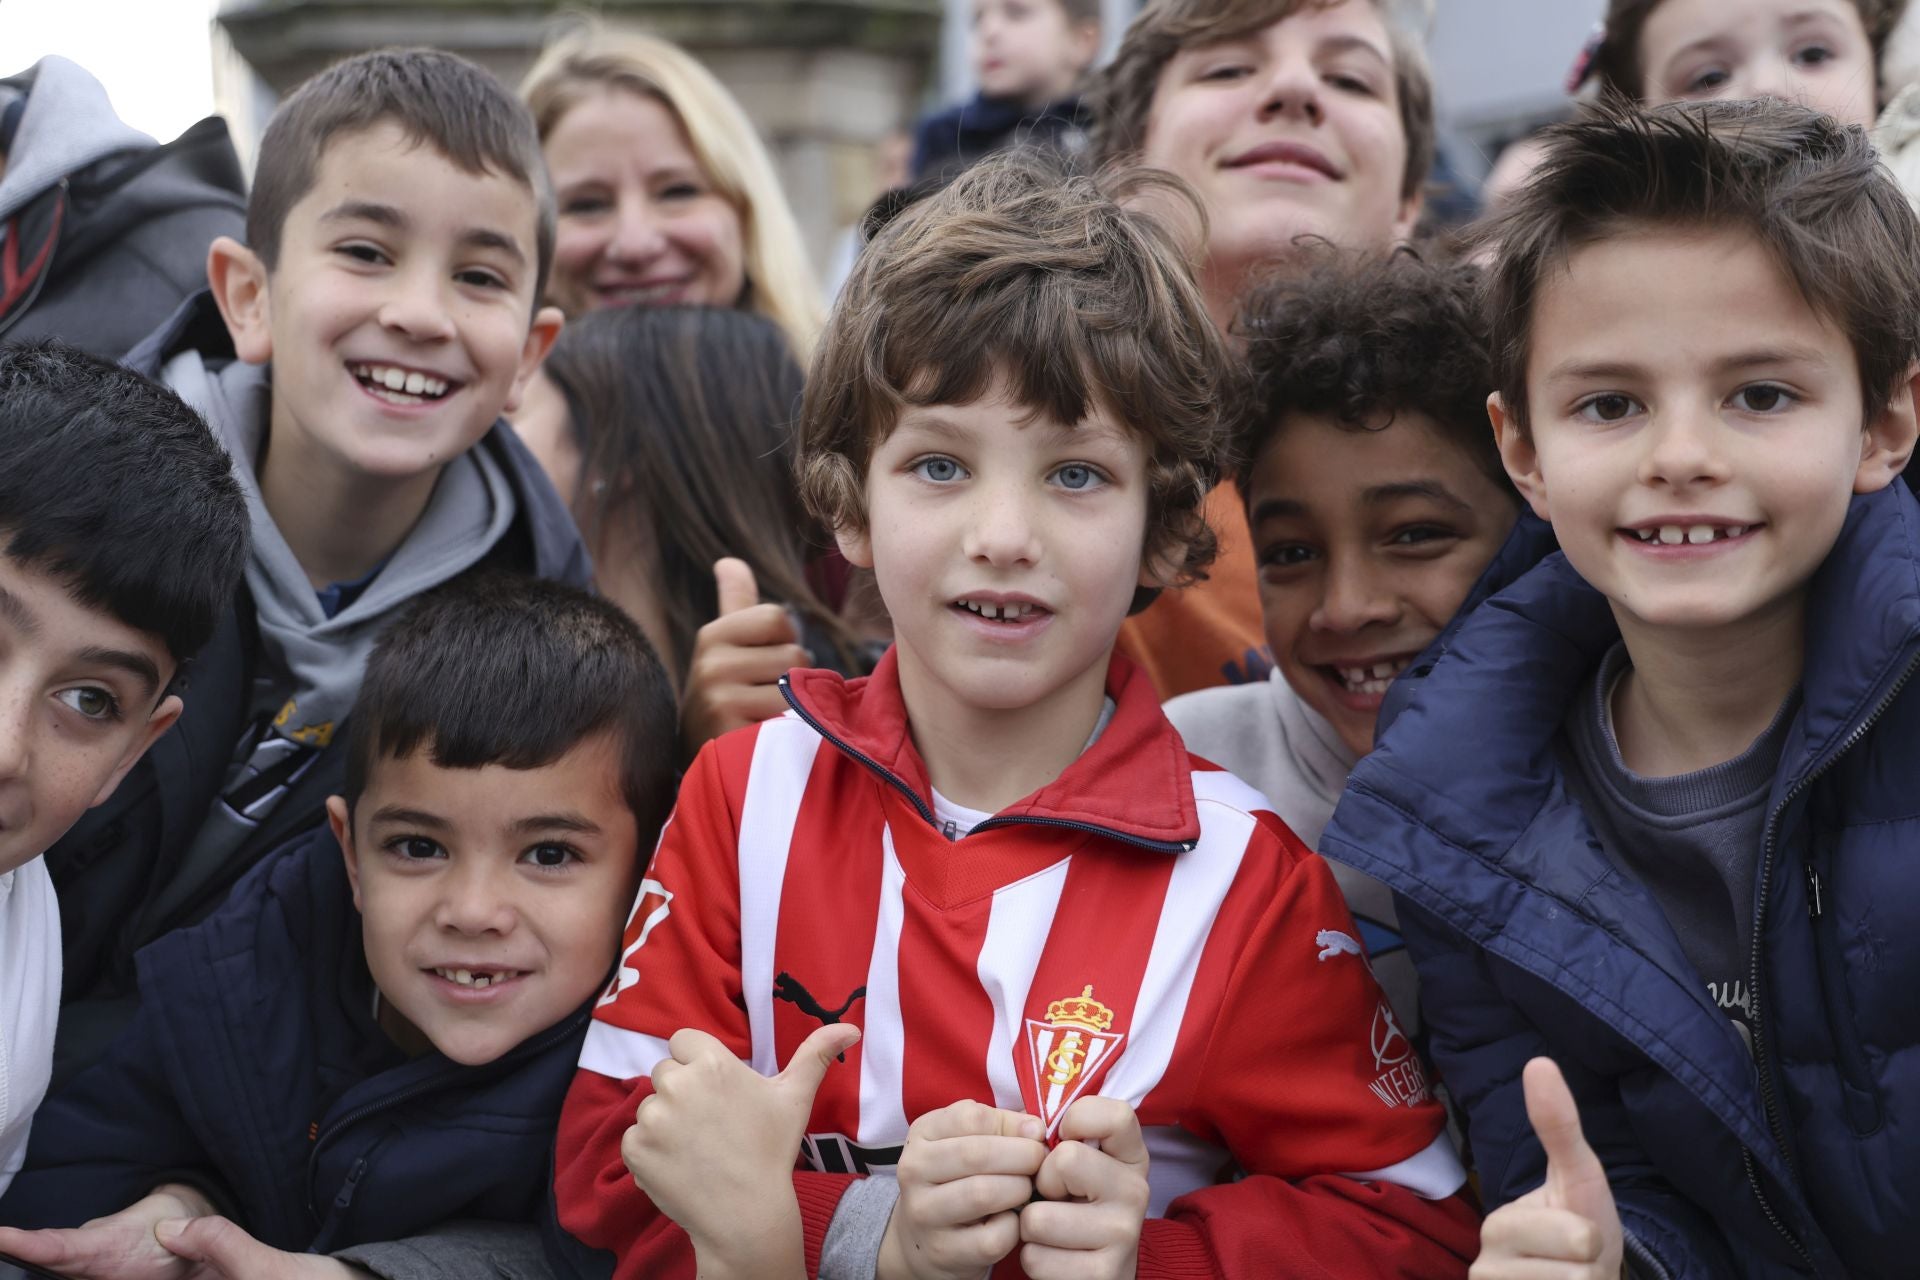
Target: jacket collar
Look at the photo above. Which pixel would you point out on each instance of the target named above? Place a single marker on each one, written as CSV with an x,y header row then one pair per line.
x,y
1134,783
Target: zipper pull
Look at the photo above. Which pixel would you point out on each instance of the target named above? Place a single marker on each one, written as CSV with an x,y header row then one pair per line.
x,y
950,830
352,1184
1814,907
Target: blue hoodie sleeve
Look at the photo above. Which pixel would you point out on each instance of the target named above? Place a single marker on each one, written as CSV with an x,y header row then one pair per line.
x,y
107,1139
1479,1039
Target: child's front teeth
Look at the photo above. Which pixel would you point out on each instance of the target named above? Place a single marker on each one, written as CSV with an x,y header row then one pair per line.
x,y
1010,612
1672,535
467,978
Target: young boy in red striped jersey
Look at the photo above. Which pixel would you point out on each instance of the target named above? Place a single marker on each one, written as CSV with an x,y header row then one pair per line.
x,y
1111,1016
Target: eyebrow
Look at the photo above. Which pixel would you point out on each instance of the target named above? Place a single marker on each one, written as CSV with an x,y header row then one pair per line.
x,y
556,822
1346,43
1430,489
15,611
402,816
386,215
1758,358
137,665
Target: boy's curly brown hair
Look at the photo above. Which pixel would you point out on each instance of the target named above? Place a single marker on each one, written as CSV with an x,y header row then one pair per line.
x,y
1074,289
1358,338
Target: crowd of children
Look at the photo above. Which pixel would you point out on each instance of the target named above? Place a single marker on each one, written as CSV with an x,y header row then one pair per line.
x,y
423,853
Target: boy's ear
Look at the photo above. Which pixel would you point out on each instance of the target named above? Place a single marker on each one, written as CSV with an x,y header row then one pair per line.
x,y
547,323
158,723
1887,444
239,282
341,821
1518,456
856,545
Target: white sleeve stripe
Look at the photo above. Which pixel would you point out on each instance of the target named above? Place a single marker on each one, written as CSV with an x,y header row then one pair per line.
x,y
1433,1174
776,783
620,1054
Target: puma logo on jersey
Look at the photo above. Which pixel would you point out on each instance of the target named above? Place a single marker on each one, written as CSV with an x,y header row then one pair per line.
x,y
1333,943
787,987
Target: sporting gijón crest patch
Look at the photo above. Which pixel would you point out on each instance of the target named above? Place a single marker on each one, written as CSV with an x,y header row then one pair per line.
x,y
1069,1051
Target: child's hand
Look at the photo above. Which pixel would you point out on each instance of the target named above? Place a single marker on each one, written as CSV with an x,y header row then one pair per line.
x,y
120,1246
222,1250
964,1173
1568,1228
738,658
1095,1184
715,1143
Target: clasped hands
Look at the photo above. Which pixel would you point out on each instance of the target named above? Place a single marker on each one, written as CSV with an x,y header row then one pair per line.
x,y
713,1146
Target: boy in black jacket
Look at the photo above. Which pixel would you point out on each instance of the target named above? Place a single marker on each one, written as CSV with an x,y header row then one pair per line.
x,y
329,1077
354,357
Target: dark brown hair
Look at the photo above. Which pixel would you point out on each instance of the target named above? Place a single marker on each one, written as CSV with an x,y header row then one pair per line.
x,y
684,419
1360,337
1616,61
1125,90
1810,190
1023,271
434,97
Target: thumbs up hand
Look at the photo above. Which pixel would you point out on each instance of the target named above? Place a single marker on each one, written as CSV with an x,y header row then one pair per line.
x,y
714,1147
1568,1228
737,661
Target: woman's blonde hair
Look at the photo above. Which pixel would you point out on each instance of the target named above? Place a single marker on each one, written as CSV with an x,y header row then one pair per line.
x,y
780,282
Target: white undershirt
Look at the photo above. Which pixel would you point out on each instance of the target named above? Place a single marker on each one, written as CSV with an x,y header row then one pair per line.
x,y
29,1004
957,821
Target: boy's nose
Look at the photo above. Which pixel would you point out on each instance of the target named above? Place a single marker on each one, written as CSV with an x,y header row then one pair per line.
x,y
475,902
1293,90
16,732
1683,448
1353,597
1001,531
418,309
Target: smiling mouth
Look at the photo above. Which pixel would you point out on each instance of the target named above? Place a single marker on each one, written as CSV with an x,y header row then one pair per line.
x,y
478,978
401,386
1012,611
1373,678
1674,535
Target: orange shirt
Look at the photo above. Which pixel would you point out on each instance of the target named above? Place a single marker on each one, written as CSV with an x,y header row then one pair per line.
x,y
1210,633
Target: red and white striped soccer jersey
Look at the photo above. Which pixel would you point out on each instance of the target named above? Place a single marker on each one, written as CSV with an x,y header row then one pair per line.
x,y
1143,928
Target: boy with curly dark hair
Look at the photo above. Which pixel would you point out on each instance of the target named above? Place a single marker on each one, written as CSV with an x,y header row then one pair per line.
x,y
1375,497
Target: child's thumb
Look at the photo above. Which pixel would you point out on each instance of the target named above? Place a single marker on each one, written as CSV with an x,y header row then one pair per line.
x,y
734,579
808,1065
1576,1180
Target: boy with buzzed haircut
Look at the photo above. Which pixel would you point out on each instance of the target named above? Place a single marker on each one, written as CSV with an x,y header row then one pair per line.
x,y
121,540
355,356
373,1035
1299,122
1094,980
1649,810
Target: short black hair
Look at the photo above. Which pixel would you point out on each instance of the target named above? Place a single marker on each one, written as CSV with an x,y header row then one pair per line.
x,y
495,668
1357,337
458,108
113,486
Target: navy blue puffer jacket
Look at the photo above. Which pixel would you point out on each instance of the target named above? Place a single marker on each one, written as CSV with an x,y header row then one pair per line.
x,y
1801,1158
254,1069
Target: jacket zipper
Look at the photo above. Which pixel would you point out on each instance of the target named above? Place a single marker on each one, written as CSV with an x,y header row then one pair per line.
x,y
887,775
439,1081
1768,1102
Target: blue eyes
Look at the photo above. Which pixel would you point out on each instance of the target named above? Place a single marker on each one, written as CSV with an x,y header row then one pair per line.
x,y
1075,477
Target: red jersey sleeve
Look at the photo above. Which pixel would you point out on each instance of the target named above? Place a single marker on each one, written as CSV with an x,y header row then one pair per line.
x,y
679,967
1312,1084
